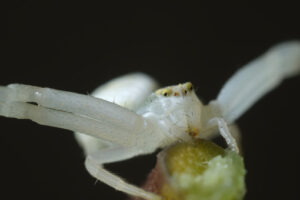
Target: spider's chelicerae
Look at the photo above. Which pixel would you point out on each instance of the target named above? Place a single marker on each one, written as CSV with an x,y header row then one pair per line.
x,y
125,119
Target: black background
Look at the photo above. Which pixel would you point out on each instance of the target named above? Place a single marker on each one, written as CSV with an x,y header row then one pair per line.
x,y
77,46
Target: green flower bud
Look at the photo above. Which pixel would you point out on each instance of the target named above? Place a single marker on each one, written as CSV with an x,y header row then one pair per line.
x,y
198,170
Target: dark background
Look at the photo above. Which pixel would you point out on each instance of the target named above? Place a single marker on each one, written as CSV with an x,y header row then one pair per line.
x,y
77,46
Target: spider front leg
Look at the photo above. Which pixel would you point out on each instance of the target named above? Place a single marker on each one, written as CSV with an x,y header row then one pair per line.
x,y
96,117
224,132
94,164
75,112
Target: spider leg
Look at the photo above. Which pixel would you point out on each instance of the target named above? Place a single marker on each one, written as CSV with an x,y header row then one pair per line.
x,y
94,164
224,132
236,134
76,112
50,117
92,107
256,79
128,91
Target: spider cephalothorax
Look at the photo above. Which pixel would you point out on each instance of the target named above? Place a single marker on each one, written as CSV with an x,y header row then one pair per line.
x,y
176,109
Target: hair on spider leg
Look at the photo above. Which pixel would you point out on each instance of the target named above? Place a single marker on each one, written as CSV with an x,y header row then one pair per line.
x,y
196,88
96,181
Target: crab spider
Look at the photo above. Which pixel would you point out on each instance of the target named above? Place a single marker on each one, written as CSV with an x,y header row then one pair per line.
x,y
125,119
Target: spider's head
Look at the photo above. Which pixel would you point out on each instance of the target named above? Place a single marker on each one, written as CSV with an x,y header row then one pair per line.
x,y
180,109
179,90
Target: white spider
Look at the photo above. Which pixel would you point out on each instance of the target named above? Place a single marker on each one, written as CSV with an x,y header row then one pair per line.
x,y
126,119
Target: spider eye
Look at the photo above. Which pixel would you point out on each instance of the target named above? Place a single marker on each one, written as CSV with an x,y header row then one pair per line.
x,y
164,92
189,86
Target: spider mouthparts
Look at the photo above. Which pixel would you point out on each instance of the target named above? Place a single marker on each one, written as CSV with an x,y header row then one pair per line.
x,y
193,132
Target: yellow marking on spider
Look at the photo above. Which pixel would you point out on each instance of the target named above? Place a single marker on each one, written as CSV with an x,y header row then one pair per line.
x,y
164,92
